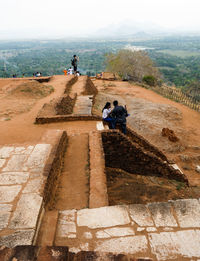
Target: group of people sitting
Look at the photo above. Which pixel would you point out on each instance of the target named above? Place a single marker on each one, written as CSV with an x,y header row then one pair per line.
x,y
115,116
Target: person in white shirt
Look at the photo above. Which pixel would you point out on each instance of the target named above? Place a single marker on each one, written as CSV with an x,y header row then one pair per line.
x,y
70,71
106,115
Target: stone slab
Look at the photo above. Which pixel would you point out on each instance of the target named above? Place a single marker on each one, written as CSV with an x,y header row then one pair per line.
x,y
2,162
174,245
140,214
27,211
128,245
87,235
8,193
151,229
5,207
5,152
23,237
23,150
39,156
4,218
67,230
115,232
103,217
5,211
33,186
67,216
198,168
162,215
13,178
16,163
99,125
187,212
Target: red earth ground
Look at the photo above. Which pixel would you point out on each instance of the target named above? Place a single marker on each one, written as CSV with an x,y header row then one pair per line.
x,y
149,113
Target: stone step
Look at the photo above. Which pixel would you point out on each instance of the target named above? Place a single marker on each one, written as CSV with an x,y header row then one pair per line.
x,y
83,105
48,229
98,186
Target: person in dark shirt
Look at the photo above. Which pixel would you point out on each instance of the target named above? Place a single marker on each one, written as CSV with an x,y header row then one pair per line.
x,y
119,113
74,62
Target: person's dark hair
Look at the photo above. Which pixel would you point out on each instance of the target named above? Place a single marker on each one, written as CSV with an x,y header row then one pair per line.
x,y
115,103
74,56
106,106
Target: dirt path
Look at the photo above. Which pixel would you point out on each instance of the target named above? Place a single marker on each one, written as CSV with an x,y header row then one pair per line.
x,y
73,191
21,128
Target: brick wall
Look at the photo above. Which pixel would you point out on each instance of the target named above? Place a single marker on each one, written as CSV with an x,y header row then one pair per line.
x,y
120,152
90,89
53,170
145,144
69,84
65,105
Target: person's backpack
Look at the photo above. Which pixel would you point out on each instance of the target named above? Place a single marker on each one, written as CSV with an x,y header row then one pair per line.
x,y
73,62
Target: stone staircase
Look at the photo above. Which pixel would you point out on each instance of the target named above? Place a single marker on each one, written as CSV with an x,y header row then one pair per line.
x,y
83,105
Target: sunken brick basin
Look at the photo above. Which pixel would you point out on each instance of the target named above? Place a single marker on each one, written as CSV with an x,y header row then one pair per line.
x,y
122,153
138,139
65,105
43,79
63,118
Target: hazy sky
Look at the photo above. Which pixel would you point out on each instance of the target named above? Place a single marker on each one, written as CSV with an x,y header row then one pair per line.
x,y
25,18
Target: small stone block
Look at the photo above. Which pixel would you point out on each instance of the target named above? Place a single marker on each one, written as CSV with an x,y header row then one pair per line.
x,y
67,215
128,245
57,253
4,218
139,229
33,186
2,161
23,237
13,178
115,232
16,164
87,235
5,152
151,229
65,230
8,193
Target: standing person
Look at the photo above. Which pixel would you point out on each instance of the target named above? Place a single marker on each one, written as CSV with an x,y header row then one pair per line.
x,y
75,61
70,71
106,115
65,71
119,113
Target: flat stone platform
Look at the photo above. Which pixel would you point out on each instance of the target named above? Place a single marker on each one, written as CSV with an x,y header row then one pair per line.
x,y
23,176
159,231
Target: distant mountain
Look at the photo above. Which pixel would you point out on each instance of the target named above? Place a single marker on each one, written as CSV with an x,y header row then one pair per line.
x,y
128,28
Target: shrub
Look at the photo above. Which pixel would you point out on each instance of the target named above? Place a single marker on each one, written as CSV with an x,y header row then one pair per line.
x,y
131,65
150,80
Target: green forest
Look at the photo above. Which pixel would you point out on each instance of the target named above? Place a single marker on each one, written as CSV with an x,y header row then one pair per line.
x,y
178,58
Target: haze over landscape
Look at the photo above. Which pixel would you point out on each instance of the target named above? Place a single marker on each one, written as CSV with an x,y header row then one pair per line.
x,y
21,19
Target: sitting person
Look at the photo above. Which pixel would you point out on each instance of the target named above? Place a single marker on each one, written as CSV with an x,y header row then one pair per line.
x,y
119,113
106,115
